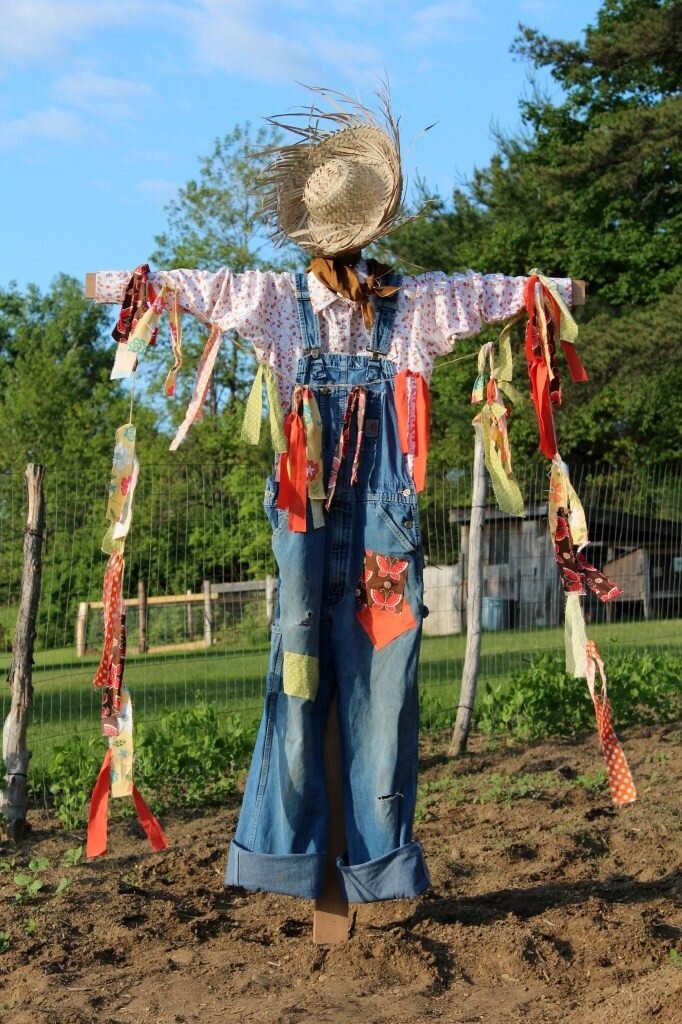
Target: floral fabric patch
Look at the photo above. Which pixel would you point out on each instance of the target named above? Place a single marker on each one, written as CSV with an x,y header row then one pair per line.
x,y
383,611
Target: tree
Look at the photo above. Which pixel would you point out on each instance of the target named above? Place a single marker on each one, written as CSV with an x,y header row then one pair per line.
x,y
590,188
215,222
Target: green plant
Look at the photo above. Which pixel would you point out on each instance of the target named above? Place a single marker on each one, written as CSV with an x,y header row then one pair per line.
x,y
5,941
543,700
31,926
434,715
188,759
72,857
68,776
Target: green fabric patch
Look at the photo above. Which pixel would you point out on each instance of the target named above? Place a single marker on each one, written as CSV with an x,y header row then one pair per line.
x,y
301,675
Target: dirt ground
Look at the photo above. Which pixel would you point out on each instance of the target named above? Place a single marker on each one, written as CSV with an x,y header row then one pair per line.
x,y
546,905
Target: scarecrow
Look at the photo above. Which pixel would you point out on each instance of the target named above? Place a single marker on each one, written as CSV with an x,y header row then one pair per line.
x,y
347,346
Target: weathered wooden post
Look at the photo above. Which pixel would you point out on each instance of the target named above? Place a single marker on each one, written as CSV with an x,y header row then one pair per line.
x,y
13,800
82,629
472,656
208,622
189,621
270,594
142,617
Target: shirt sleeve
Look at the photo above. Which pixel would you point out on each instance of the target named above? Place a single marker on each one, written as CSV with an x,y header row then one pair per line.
x,y
253,303
457,306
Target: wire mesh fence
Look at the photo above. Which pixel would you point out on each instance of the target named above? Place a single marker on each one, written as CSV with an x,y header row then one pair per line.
x,y
200,627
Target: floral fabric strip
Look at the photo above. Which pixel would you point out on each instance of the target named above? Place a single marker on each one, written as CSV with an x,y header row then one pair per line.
x,y
201,382
113,608
135,303
124,473
355,402
620,779
574,569
143,334
383,611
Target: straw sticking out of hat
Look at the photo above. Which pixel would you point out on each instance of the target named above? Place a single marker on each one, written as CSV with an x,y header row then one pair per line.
x,y
339,186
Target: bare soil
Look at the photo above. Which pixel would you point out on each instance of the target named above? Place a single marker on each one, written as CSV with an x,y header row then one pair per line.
x,y
547,905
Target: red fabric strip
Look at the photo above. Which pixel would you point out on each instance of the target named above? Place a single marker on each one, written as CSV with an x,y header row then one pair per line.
x,y
422,422
99,805
293,483
575,364
149,823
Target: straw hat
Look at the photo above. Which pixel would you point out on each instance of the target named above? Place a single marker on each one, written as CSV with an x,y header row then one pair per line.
x,y
340,185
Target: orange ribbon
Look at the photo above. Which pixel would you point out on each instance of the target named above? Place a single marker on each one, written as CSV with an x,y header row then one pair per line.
x,y
99,806
412,409
293,479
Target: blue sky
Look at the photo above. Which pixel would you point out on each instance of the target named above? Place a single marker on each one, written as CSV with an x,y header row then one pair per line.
x,y
106,104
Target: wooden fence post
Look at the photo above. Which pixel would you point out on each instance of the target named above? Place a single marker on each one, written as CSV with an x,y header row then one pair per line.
x,y
472,656
189,622
14,800
270,592
142,617
82,629
208,623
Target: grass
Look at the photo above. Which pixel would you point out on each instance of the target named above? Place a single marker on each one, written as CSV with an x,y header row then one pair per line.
x,y
231,675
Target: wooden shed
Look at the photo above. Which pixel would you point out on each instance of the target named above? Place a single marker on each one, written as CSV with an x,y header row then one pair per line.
x,y
521,589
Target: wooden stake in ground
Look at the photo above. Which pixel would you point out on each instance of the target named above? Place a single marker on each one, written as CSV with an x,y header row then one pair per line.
x,y
13,800
331,920
472,656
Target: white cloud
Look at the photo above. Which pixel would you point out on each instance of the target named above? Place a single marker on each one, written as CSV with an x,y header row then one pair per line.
x,y
285,43
53,124
433,23
102,94
38,28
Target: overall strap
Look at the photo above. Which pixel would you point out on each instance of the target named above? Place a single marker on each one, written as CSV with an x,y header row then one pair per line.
x,y
384,317
310,330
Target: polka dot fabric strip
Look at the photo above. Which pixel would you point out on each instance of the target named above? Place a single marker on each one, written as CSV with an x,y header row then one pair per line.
x,y
620,779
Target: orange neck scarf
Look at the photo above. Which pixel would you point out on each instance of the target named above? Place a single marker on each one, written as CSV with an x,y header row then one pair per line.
x,y
340,276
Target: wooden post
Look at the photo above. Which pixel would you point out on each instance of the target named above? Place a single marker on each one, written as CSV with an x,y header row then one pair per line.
x,y
189,622
142,617
472,656
208,624
270,592
331,923
14,800
82,629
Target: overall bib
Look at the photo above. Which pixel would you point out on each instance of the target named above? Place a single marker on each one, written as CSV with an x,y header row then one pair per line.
x,y
349,604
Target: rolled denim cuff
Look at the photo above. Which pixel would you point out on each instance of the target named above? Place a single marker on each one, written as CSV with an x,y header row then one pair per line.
x,y
398,875
293,874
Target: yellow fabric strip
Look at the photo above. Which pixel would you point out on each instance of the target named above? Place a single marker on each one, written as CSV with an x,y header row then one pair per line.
x,y
506,489
568,328
575,637
253,414
301,675
122,751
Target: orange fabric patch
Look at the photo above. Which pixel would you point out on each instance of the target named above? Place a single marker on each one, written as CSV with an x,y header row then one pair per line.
x,y
382,626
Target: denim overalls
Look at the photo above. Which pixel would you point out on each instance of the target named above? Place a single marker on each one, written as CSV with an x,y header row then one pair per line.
x,y
350,595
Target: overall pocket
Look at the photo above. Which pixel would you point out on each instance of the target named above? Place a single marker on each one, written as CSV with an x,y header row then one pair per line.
x,y
402,519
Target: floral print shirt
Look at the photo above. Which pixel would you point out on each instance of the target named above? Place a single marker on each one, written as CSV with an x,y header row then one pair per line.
x,y
434,310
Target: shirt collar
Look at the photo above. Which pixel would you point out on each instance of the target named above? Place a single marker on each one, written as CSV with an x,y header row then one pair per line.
x,y
321,296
